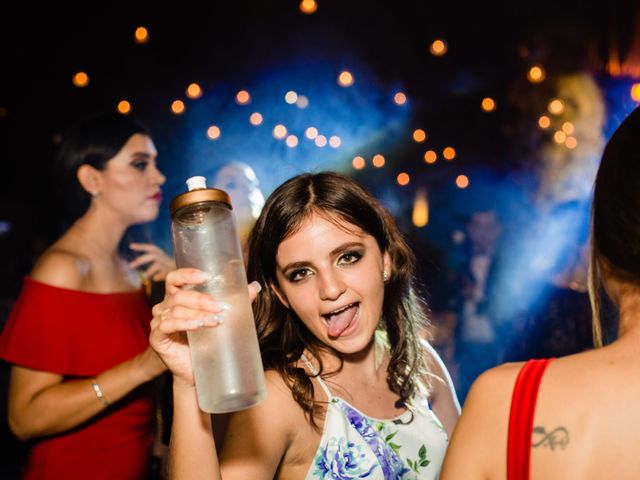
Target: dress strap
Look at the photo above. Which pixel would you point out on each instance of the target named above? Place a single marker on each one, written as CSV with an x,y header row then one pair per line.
x,y
315,372
523,407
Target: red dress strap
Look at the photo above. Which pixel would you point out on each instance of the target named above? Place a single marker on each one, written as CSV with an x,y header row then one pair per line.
x,y
523,407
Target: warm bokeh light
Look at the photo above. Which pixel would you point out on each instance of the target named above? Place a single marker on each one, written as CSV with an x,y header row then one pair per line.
x,y
178,107
291,141
213,132
559,136
345,78
279,131
430,156
556,106
320,141
419,135
462,181
571,142
302,102
335,141
243,97
568,128
544,121
311,133
358,162
291,97
124,107
449,153
378,161
536,74
438,48
80,79
255,119
403,179
488,104
399,98
141,35
635,92
308,6
420,215
194,91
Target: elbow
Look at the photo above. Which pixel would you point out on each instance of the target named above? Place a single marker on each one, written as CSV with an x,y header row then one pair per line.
x,y
20,428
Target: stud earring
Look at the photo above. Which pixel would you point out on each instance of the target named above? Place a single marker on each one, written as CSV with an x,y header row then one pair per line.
x,y
385,276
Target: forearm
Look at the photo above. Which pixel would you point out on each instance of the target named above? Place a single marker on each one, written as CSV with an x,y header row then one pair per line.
x,y
63,405
192,451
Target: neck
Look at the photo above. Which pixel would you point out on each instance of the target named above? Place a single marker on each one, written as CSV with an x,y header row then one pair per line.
x,y
629,312
363,365
100,235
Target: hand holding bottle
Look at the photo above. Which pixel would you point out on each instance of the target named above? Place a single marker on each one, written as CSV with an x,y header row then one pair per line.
x,y
184,309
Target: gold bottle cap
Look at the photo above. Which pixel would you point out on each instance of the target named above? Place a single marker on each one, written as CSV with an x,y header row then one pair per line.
x,y
199,196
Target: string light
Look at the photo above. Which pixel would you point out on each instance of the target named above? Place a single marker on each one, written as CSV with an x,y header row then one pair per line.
x,y
213,132
80,79
141,35
378,161
358,162
438,48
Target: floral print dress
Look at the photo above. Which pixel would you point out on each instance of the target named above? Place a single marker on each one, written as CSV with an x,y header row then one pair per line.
x,y
354,445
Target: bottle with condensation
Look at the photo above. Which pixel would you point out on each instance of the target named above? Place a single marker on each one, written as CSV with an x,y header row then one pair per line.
x,y
226,358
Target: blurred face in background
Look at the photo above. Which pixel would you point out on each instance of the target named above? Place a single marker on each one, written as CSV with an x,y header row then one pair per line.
x,y
241,183
483,230
129,185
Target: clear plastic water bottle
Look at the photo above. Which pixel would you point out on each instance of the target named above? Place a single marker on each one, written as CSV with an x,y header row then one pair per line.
x,y
226,359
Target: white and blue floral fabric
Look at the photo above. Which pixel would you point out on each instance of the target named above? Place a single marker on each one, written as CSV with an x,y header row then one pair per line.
x,y
354,445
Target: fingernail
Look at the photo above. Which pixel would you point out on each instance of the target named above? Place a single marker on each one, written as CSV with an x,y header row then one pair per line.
x,y
214,319
197,323
216,305
224,306
256,285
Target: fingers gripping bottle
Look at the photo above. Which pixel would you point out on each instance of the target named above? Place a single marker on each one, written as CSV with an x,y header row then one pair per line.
x,y
226,358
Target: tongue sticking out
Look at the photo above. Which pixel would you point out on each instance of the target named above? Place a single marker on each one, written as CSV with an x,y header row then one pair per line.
x,y
339,322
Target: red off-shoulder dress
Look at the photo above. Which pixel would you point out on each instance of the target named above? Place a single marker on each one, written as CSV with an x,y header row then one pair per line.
x,y
78,335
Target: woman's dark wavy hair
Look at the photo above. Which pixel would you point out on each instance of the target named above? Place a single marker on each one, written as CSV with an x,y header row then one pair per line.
x,y
615,214
93,140
283,337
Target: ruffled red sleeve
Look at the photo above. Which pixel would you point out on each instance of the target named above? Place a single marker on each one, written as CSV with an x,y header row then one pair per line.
x,y
74,333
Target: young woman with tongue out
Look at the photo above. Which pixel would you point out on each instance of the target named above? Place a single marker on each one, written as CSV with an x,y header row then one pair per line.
x,y
353,389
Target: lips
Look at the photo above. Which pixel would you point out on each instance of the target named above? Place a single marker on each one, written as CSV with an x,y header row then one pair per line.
x,y
341,319
157,197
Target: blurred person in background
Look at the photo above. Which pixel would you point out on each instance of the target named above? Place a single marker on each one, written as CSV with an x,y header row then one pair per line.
x,y
77,336
536,419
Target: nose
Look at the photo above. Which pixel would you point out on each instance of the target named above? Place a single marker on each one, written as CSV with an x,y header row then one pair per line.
x,y
159,178
331,285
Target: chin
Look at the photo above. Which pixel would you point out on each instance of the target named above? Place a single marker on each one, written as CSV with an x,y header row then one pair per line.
x,y
150,217
351,345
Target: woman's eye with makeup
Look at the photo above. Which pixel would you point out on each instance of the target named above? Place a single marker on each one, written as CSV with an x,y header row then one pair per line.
x,y
298,274
349,258
140,165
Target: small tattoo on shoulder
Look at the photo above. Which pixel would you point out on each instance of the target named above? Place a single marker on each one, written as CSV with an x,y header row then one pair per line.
x,y
556,438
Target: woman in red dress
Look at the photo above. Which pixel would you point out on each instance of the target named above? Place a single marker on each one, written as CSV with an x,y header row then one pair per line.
x,y
77,337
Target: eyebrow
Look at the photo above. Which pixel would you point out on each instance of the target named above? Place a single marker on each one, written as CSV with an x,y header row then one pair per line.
x,y
137,155
338,249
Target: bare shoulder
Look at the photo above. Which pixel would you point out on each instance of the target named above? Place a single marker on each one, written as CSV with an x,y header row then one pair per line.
x,y
494,386
482,428
433,360
443,399
61,268
486,408
441,381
